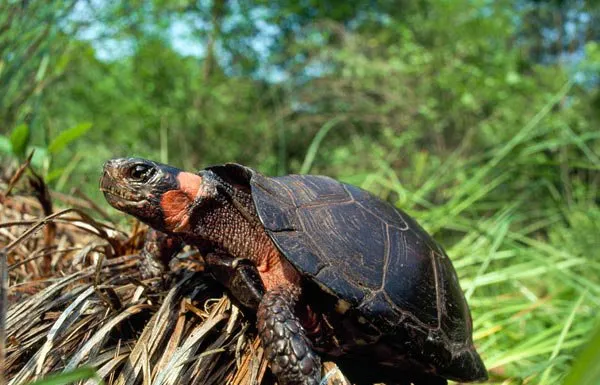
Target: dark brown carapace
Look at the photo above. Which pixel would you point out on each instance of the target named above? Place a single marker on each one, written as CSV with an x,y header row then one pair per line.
x,y
201,209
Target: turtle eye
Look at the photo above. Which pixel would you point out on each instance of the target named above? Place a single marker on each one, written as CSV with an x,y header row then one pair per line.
x,y
141,172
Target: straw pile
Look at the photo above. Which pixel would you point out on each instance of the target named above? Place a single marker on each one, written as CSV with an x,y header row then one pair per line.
x,y
76,298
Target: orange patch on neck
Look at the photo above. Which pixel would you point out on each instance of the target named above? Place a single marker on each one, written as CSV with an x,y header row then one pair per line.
x,y
176,203
189,183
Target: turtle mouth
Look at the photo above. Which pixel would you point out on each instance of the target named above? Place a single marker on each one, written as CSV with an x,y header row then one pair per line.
x,y
118,196
124,195
125,202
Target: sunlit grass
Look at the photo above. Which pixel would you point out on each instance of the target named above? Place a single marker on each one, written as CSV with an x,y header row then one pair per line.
x,y
534,301
525,251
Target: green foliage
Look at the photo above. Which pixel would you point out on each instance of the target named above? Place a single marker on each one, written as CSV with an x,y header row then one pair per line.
x,y
33,54
19,138
460,112
65,137
83,373
17,145
5,146
585,371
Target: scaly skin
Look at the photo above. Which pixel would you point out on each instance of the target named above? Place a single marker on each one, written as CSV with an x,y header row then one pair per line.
x,y
159,249
288,348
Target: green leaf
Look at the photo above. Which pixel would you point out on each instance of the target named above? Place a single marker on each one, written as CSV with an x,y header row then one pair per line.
x,y
83,373
586,370
19,138
5,145
40,157
67,136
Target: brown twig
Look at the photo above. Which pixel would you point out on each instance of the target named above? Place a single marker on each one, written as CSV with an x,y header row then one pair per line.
x,y
43,196
18,174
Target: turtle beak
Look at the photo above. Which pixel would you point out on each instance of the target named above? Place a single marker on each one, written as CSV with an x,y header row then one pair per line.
x,y
110,174
111,164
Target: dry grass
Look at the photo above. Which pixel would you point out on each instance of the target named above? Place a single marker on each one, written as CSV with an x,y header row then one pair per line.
x,y
75,298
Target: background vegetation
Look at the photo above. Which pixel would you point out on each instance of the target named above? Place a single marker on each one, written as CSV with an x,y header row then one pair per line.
x,y
480,118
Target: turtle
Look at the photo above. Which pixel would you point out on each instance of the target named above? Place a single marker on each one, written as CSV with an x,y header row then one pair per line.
x,y
328,269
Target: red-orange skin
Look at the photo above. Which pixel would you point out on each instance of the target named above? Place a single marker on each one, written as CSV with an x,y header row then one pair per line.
x,y
273,268
175,203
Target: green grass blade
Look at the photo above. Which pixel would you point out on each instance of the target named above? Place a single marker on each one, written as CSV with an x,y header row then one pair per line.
x,y
83,373
586,370
561,338
314,145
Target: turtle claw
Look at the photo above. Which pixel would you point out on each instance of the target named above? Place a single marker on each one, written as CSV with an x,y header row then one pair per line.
x,y
289,351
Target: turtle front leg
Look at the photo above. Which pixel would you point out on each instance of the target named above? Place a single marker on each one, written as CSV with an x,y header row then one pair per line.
x,y
289,351
159,249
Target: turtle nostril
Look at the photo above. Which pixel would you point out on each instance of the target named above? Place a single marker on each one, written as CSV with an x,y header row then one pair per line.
x,y
110,172
109,164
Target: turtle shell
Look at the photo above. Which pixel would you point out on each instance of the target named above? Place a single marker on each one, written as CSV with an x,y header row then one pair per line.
x,y
375,258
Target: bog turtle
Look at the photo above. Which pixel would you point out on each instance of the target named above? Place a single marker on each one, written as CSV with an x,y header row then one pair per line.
x,y
330,269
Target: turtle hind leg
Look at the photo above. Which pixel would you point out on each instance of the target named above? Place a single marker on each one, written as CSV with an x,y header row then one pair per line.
x,y
288,349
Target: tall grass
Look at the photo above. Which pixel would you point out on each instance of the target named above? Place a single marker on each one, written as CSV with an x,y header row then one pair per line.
x,y
524,237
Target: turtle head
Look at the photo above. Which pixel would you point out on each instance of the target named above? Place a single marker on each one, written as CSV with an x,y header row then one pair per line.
x,y
157,194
